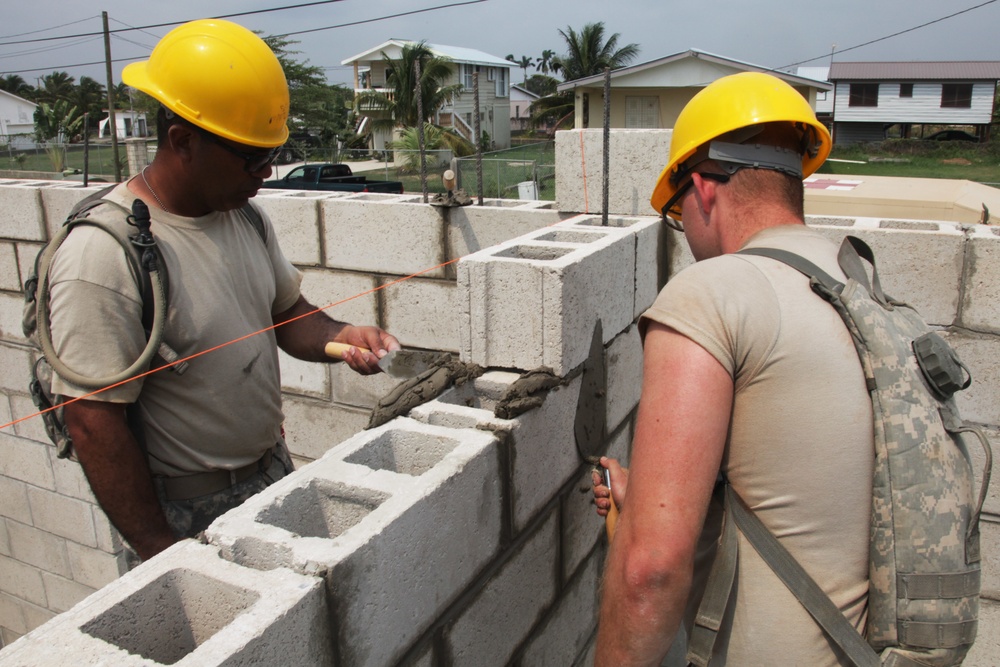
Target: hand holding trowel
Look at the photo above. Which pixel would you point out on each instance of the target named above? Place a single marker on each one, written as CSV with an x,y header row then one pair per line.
x,y
397,363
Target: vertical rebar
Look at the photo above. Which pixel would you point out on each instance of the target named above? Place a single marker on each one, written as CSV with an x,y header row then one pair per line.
x,y
420,130
607,145
86,148
478,138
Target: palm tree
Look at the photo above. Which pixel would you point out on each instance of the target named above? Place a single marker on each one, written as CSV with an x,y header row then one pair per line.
x,y
399,104
90,97
56,86
15,85
524,63
588,53
544,64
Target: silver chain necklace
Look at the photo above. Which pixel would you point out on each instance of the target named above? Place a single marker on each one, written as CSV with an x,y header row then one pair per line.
x,y
151,191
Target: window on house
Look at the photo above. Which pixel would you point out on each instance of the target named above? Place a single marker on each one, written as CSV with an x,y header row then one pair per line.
x,y
956,95
821,96
642,112
906,90
467,72
501,82
863,95
491,73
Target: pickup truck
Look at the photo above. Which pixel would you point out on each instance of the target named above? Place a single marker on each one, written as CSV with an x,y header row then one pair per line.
x,y
331,177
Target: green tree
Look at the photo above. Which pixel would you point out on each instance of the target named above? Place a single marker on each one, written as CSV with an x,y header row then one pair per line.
x,y
313,104
588,53
54,123
16,85
544,64
91,97
524,63
436,138
56,86
541,84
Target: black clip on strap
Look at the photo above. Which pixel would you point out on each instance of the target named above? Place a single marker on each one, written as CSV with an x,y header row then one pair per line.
x,y
144,237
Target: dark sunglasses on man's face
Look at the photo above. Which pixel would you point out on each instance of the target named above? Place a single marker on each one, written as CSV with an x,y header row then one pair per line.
x,y
252,162
672,209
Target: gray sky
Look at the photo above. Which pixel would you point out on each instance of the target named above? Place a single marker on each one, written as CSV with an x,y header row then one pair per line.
x,y
771,33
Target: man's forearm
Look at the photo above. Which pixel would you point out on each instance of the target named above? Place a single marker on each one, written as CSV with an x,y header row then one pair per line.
x,y
118,473
305,337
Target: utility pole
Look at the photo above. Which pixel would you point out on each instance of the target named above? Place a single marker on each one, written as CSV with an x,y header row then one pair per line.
x,y
111,100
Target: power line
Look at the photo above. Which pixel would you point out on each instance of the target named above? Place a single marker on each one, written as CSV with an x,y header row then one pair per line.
x,y
895,34
226,16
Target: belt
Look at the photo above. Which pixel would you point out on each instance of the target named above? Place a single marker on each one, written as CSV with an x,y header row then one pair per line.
x,y
213,481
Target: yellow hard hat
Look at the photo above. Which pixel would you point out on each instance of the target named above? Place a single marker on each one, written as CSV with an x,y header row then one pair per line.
x,y
731,103
221,77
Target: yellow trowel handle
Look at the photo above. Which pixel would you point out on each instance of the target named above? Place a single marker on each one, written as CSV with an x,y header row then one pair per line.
x,y
611,520
337,350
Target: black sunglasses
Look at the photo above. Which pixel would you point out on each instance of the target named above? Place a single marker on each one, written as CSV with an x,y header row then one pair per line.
x,y
252,162
672,211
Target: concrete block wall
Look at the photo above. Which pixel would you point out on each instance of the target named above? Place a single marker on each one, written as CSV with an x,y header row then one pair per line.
x,y
56,545
454,537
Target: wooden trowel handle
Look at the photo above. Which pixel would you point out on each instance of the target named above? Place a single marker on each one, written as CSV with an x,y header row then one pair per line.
x,y
337,350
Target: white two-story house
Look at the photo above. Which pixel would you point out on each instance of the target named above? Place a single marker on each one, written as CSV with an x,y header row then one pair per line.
x,y
870,97
494,89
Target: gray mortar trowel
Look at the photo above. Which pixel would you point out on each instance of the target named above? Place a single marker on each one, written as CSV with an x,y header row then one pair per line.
x,y
590,429
398,363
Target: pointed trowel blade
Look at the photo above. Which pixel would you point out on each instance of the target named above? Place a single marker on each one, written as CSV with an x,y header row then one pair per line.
x,y
406,363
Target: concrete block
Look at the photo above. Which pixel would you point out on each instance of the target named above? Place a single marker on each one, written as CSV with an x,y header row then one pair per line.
x,y
70,480
4,539
108,538
346,297
475,228
650,238
6,416
360,391
397,520
35,616
11,309
21,216
581,528
14,500
979,403
978,454
26,460
537,468
306,378
296,224
21,581
26,253
313,427
93,567
570,622
8,637
424,313
986,651
66,517
624,372
533,301
918,262
636,159
10,274
29,423
12,614
36,547
982,280
188,607
989,537
380,237
62,593
15,367
58,199
500,617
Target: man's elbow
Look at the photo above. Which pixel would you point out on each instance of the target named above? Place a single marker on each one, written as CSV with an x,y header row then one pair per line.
x,y
648,570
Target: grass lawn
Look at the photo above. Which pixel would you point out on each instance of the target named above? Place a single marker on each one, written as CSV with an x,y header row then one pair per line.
x,y
919,159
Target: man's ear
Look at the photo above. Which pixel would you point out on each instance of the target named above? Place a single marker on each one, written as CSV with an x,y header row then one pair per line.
x,y
182,138
705,193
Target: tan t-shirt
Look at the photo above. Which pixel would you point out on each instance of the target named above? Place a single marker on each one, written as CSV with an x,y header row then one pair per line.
x,y
225,410
800,449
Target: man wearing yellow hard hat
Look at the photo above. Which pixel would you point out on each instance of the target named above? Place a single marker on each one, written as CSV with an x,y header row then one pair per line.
x,y
748,377
211,436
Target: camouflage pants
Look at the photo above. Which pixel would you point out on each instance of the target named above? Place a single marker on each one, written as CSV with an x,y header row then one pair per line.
x,y
188,518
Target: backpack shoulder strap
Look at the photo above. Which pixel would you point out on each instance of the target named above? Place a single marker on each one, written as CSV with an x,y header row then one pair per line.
x,y
256,220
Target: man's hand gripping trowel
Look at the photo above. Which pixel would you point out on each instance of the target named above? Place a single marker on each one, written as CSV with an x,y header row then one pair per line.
x,y
398,363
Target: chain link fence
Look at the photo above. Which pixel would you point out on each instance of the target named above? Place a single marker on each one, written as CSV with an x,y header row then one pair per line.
x,y
20,153
525,172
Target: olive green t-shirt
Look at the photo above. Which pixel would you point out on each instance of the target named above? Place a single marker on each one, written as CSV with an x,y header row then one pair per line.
x,y
224,411
800,448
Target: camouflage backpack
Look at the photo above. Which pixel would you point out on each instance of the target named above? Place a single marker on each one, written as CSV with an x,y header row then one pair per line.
x,y
924,571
